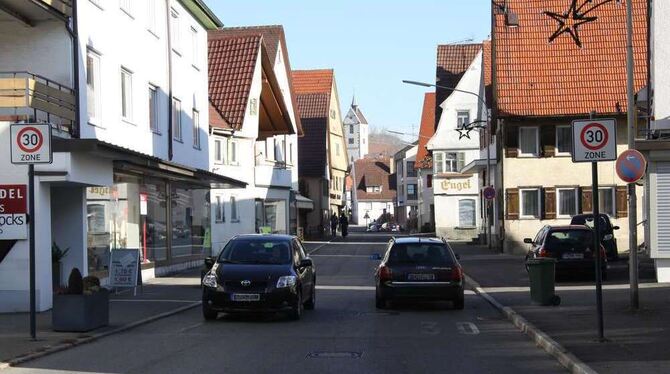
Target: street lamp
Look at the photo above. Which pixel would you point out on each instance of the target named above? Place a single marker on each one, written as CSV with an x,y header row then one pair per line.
x,y
488,140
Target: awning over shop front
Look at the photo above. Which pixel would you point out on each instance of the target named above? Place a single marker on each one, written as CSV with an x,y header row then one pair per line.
x,y
304,203
475,166
130,161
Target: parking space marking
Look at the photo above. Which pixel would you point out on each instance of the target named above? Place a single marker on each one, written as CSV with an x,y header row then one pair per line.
x,y
467,328
430,328
575,288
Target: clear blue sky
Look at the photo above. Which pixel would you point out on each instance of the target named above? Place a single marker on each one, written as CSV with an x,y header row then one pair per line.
x,y
372,44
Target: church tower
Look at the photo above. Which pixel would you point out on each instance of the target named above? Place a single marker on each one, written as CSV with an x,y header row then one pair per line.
x,y
357,132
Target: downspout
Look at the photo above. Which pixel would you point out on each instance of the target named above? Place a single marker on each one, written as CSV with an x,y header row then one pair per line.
x,y
72,29
169,51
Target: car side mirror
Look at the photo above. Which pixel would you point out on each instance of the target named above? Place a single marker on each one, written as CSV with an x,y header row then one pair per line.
x,y
615,228
376,257
209,262
528,241
306,262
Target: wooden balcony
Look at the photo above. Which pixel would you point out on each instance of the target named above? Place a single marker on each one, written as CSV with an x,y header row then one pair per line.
x,y
29,97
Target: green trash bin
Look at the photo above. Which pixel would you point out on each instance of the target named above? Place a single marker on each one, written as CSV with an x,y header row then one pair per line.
x,y
541,273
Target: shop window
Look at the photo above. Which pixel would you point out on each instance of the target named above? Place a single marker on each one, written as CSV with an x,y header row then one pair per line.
x,y
466,213
190,222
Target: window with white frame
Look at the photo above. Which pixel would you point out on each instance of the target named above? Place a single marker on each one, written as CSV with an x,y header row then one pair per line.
x,y
606,201
529,141
153,108
232,152
125,5
351,129
373,189
411,192
220,213
219,151
448,162
194,47
151,16
530,202
438,162
466,213
290,153
563,140
174,30
462,118
196,129
176,119
126,94
92,85
567,202
233,209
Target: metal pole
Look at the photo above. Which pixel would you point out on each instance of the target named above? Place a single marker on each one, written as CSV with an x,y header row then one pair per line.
x,y
31,213
488,177
596,249
632,198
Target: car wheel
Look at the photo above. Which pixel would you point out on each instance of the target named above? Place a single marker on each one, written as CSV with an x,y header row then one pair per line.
x,y
296,313
209,313
311,303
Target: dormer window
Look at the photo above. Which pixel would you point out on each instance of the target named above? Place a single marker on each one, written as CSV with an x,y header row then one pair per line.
x,y
373,189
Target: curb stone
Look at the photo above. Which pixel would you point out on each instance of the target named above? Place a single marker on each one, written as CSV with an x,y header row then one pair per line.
x,y
62,346
541,339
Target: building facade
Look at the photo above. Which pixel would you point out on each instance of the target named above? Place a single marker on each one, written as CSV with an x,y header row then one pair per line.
x,y
407,187
375,192
130,137
424,166
357,132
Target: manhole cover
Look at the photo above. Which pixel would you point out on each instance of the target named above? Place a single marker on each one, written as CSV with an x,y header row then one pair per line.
x,y
342,354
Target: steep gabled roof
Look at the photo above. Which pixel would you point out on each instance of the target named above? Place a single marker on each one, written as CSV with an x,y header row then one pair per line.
x,y
541,71
423,159
374,172
453,60
232,61
273,37
313,81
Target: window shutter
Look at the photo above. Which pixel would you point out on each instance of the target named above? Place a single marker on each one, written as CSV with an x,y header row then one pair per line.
x,y
548,140
460,161
621,201
511,141
587,200
549,203
512,201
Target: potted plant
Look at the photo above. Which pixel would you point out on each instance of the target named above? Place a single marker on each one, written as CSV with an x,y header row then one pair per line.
x,y
82,306
57,254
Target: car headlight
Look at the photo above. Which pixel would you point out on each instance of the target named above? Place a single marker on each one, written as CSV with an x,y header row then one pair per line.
x,y
286,281
210,280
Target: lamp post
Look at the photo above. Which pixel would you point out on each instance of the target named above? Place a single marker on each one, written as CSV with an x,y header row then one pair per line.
x,y
488,142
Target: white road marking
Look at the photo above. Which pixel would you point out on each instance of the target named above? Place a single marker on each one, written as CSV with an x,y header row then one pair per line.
x,y
470,292
190,327
352,243
346,288
467,328
430,328
576,288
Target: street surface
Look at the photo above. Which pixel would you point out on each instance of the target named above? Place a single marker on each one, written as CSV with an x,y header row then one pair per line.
x,y
345,334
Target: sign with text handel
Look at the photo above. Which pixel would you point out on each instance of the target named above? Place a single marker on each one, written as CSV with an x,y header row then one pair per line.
x,y
30,143
594,140
13,210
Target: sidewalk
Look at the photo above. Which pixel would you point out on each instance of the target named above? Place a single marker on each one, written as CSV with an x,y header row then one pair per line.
x,y
636,341
160,297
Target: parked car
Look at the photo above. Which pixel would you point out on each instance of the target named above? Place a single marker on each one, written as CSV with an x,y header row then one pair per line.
x,y
259,273
571,246
419,269
606,232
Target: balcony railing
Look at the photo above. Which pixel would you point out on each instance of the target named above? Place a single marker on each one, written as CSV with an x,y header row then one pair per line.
x,y
63,6
26,96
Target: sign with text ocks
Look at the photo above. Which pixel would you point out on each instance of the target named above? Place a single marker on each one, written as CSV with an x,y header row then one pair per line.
x,y
13,209
594,140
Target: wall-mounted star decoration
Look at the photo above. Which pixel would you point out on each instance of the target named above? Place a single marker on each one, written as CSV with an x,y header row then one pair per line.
x,y
570,21
464,131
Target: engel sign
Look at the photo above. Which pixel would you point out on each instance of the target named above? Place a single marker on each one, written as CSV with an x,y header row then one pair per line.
x,y
13,209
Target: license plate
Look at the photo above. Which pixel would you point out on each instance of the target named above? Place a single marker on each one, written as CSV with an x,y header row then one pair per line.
x,y
573,256
420,277
245,297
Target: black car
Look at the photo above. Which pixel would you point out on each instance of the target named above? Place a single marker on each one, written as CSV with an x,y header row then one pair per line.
x,y
419,269
259,273
571,247
606,232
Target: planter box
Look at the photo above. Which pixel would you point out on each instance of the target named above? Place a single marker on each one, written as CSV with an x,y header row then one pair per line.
x,y
80,313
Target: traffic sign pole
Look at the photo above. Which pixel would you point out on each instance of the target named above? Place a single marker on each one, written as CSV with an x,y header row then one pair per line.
x,y
596,247
31,214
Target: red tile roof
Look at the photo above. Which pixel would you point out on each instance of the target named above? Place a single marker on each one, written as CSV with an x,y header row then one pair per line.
x,y
537,76
232,61
452,62
423,159
313,81
488,73
314,105
374,172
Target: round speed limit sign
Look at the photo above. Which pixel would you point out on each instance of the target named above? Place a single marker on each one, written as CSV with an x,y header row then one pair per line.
x,y
594,140
30,143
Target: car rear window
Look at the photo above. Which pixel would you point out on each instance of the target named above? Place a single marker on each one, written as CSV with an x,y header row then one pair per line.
x,y
569,239
256,251
420,254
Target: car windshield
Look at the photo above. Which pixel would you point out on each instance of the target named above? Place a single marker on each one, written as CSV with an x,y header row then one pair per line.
x,y
256,251
420,254
588,221
569,239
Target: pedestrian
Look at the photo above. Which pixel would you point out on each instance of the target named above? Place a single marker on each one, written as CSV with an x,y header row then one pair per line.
x,y
333,224
344,224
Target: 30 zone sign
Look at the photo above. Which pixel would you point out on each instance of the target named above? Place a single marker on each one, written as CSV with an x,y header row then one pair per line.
x,y
31,143
594,140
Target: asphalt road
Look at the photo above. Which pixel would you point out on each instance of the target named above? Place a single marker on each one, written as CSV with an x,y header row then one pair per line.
x,y
345,334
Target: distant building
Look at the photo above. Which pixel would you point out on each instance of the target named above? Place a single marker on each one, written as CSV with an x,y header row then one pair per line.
x,y
357,132
407,194
424,165
375,189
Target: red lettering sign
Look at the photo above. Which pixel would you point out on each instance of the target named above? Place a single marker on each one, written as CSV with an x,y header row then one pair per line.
x,y
13,199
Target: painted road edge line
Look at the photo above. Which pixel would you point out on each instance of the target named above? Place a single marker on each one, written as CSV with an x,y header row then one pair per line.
x,y
62,346
541,339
